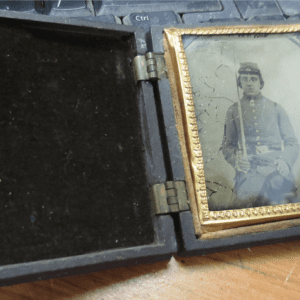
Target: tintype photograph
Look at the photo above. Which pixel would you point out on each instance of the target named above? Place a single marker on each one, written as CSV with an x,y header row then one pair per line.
x,y
246,97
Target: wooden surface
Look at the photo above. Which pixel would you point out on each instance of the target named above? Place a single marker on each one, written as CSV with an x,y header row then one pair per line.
x,y
265,272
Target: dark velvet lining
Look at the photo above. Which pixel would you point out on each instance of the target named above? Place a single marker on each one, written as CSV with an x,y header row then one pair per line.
x,y
71,156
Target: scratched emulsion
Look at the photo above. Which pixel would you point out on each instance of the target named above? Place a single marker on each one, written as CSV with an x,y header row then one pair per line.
x,y
213,63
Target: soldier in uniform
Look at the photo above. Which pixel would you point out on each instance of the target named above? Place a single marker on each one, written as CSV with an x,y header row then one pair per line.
x,y
264,168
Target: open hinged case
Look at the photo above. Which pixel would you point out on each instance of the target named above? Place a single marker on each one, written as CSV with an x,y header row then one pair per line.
x,y
114,152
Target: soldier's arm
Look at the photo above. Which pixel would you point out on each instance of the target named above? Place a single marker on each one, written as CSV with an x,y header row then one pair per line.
x,y
230,138
291,145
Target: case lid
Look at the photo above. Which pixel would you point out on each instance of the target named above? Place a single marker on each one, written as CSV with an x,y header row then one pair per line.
x,y
80,149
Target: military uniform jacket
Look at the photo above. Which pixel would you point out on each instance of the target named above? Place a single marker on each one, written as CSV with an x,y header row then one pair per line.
x,y
267,129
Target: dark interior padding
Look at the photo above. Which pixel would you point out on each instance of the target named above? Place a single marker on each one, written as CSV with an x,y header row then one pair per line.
x,y
72,168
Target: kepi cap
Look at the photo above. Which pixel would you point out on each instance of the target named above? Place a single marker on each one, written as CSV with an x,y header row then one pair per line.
x,y
249,68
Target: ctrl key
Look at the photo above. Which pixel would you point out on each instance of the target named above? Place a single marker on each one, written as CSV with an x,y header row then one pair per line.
x,y
146,20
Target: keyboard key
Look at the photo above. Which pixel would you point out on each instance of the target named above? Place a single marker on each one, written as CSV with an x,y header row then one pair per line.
x,y
268,18
68,4
63,8
229,13
123,8
204,6
101,19
290,8
146,20
70,8
254,8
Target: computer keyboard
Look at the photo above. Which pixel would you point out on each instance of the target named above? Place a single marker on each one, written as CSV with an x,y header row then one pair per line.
x,y
145,14
189,12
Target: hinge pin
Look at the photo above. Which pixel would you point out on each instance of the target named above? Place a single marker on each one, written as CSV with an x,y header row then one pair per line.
x,y
151,65
170,197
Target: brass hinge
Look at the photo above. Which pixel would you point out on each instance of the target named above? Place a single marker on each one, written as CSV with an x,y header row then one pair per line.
x,y
170,197
149,67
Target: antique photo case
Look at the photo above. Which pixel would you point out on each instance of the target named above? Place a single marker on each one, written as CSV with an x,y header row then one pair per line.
x,y
235,94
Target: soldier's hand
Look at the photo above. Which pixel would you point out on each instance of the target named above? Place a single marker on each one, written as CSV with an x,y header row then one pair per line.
x,y
242,163
282,167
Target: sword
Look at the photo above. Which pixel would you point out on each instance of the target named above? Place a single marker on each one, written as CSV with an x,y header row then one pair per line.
x,y
244,148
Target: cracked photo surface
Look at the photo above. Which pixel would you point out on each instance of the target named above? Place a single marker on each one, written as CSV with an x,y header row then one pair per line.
x,y
246,89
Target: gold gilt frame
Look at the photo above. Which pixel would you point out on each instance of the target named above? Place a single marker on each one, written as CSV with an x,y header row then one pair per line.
x,y
211,222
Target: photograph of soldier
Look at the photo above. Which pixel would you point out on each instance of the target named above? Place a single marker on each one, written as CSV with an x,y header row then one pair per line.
x,y
247,111
260,144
